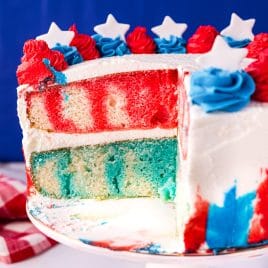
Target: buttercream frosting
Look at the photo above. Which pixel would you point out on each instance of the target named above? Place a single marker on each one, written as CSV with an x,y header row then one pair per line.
x,y
219,90
172,45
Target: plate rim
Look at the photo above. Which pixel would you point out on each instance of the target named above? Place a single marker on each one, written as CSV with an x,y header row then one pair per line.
x,y
145,257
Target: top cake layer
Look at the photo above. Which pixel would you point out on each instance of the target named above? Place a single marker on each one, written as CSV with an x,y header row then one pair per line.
x,y
116,93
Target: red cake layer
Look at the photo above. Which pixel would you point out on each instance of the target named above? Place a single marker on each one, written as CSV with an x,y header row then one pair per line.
x,y
132,100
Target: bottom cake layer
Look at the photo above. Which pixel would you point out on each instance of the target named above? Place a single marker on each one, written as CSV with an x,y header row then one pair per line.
x,y
139,168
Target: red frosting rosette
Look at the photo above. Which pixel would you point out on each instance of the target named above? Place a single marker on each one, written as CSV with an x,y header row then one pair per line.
x,y
139,42
202,40
32,70
259,44
259,71
85,44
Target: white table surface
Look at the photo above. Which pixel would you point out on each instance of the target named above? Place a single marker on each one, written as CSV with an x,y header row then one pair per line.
x,y
63,256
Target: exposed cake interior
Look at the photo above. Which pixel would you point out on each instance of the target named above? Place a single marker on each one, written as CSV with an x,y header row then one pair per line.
x,y
138,168
132,100
107,136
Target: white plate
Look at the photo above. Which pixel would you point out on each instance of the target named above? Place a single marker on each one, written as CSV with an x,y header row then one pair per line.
x,y
75,224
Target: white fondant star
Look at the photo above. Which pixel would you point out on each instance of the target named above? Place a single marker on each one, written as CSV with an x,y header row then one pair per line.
x,y
239,29
223,56
56,35
112,28
169,27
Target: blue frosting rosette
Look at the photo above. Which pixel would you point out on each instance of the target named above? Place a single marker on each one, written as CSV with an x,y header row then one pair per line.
x,y
172,45
220,90
71,54
109,47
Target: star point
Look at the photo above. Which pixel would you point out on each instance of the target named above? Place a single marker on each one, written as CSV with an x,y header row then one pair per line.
x,y
169,27
223,56
239,29
56,35
112,28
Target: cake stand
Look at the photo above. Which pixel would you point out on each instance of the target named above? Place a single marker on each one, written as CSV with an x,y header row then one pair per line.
x,y
83,225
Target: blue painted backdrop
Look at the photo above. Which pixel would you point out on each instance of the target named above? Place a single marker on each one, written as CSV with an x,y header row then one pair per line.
x,y
22,20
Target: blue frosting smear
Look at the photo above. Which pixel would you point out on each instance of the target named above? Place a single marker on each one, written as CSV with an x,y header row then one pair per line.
x,y
71,55
111,47
59,77
219,90
228,226
172,45
236,43
151,249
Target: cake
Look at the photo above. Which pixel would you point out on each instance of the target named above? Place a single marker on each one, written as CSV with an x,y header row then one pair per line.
x,y
106,117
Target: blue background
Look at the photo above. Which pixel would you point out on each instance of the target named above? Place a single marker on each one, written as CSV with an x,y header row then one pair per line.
x,y
24,19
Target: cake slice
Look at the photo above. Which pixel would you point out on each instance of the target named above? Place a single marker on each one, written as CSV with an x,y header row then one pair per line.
x,y
188,130
110,132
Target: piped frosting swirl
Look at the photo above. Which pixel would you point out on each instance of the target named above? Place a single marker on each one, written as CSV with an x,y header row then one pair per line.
x,y
219,90
172,45
109,47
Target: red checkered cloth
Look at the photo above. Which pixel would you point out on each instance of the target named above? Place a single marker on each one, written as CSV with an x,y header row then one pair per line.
x,y
19,239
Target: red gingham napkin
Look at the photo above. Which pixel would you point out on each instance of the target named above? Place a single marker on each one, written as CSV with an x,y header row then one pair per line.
x,y
19,239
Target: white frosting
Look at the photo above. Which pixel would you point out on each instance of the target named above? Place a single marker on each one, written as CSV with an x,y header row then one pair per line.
x,y
129,63
234,150
235,140
224,150
126,220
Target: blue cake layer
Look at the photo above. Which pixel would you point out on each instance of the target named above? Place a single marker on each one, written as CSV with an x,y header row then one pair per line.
x,y
139,168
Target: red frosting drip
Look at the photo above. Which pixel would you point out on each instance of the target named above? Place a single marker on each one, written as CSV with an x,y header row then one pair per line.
x,y
259,226
85,45
202,40
259,71
32,70
259,44
139,42
195,230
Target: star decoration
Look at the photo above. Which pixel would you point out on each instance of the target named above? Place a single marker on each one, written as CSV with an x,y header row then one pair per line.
x,y
239,29
112,28
56,35
169,27
223,56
